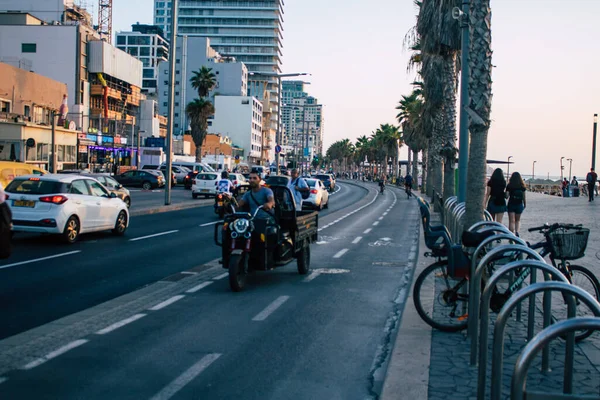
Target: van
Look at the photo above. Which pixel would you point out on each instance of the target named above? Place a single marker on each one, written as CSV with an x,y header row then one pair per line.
x,y
260,170
11,169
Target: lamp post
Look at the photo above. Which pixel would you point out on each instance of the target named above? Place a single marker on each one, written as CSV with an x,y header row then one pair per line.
x,y
594,141
278,131
508,168
170,127
561,169
533,171
570,160
53,142
463,136
138,158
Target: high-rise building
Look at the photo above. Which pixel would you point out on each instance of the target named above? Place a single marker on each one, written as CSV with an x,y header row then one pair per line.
x,y
147,43
250,31
50,11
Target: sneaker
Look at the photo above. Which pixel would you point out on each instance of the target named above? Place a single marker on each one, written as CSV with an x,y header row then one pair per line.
x,y
517,234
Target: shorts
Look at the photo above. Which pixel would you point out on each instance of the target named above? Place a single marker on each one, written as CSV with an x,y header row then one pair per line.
x,y
496,209
516,208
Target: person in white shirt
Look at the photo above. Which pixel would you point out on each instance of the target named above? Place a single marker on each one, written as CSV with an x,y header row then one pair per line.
x,y
298,185
224,185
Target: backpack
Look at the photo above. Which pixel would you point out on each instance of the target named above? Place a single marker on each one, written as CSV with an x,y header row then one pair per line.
x,y
5,234
306,194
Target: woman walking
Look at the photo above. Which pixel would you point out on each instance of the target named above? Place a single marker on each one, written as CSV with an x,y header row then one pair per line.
x,y
496,195
516,201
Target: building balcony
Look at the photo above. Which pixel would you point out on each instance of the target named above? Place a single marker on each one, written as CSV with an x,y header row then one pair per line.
x,y
98,90
112,115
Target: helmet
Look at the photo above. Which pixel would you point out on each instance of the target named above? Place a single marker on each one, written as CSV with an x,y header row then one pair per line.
x,y
224,175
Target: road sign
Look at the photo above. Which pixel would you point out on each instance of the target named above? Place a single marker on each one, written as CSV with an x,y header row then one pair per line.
x,y
237,158
277,149
30,142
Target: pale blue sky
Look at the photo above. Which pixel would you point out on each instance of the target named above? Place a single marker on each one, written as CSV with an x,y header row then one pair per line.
x,y
546,86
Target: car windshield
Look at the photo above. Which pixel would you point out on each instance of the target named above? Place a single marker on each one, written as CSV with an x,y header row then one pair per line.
x,y
34,186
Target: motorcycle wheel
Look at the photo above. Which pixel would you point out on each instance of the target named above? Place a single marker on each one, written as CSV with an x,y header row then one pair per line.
x,y
237,271
303,259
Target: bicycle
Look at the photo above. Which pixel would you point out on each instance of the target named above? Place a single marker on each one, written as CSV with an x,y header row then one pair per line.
x,y
408,191
561,242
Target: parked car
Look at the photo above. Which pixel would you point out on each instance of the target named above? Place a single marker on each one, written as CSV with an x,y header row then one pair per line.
x,y
66,205
163,170
189,179
205,183
146,179
319,196
114,187
327,180
9,170
193,166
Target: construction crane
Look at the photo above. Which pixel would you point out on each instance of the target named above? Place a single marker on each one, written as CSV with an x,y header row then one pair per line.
x,y
105,20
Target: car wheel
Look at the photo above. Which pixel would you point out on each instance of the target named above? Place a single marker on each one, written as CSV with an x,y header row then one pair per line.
x,y
303,259
146,185
127,201
71,231
120,224
194,196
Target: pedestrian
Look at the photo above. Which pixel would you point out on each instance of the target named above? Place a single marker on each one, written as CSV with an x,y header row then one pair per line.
x,y
591,179
574,182
5,226
299,188
496,195
565,187
516,202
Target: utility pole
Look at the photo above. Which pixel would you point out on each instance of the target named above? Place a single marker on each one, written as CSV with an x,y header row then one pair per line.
x,y
570,160
533,171
278,134
53,144
172,56
594,142
463,137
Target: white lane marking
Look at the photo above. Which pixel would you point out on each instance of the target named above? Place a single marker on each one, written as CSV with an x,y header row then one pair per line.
x,y
200,286
321,242
189,273
40,259
3,379
367,230
119,324
172,388
340,253
385,213
375,223
55,353
166,303
311,276
380,218
155,235
211,223
264,314
358,239
216,278
347,215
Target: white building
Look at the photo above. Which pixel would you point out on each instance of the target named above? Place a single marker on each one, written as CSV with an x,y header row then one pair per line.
x,y
147,43
49,11
240,118
192,54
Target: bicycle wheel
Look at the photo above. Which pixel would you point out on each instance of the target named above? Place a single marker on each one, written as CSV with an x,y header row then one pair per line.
x,y
441,301
585,279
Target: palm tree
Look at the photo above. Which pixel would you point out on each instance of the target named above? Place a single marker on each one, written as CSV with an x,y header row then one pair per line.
x,y
203,80
480,93
198,111
409,117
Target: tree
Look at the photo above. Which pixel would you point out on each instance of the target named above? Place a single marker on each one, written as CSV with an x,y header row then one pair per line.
x,y
480,92
203,80
410,109
198,111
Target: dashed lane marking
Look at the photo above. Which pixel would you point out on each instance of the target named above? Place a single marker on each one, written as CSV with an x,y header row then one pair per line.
x,y
154,235
217,278
55,353
40,259
264,314
340,253
166,303
311,276
119,324
172,388
380,218
375,223
367,231
199,287
211,223
358,239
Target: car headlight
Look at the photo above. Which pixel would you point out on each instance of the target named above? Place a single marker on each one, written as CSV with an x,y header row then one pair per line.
x,y
241,225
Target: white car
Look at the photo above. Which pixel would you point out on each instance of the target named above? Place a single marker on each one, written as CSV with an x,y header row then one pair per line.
x,y
205,183
67,205
319,196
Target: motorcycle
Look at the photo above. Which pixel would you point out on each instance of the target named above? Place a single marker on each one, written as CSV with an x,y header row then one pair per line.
x,y
224,204
262,244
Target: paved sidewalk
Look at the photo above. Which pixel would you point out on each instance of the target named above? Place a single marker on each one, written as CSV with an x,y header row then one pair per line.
x,y
429,364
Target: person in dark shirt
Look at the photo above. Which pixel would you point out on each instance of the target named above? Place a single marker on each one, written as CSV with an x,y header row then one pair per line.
x,y
496,195
516,202
591,179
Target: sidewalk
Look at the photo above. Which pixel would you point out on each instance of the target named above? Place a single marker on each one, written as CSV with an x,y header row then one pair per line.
x,y
429,364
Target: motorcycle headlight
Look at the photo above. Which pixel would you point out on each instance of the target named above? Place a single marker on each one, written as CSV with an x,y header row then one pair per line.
x,y
241,225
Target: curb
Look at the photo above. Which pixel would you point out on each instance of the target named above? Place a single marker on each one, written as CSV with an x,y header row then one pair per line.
x,y
172,207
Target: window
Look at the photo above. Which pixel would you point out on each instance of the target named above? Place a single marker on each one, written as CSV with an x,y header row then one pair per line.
x,y
178,61
145,51
121,40
133,51
165,104
176,93
27,110
97,189
148,73
79,187
166,83
4,106
28,48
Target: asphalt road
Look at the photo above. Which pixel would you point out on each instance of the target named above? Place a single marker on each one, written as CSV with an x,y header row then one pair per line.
x,y
321,336
144,199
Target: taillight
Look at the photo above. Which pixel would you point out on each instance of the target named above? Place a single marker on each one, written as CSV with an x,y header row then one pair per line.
x,y
314,191
60,199
235,182
6,196
220,196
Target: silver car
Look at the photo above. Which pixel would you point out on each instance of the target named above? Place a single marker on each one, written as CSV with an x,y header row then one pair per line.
x,y
319,196
114,187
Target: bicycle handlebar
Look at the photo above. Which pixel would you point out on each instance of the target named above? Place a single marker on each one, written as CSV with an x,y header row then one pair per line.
x,y
547,227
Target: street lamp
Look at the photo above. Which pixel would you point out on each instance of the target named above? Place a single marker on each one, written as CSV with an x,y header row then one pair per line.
x,y
508,168
561,169
594,141
533,171
570,160
278,76
462,14
138,158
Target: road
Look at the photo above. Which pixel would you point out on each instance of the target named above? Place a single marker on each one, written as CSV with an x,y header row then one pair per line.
x,y
321,336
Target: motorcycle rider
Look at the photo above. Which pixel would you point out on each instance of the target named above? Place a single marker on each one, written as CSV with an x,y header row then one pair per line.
x,y
408,181
381,184
224,185
257,196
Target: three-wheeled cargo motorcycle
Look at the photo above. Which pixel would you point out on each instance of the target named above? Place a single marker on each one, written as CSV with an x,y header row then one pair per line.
x,y
262,242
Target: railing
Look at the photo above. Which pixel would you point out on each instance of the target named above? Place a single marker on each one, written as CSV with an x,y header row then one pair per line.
x,y
453,214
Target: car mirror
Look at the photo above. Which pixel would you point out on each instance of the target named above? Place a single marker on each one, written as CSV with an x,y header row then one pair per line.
x,y
113,196
119,186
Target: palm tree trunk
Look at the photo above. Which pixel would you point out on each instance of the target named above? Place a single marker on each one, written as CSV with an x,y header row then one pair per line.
x,y
480,92
450,79
415,168
198,154
424,167
409,160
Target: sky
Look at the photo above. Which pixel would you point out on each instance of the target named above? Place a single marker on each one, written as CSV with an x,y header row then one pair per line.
x,y
545,88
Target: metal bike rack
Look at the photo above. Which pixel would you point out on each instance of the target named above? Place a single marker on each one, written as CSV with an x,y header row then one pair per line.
x,y
500,325
461,210
454,218
479,225
541,340
475,293
548,270
487,216
448,204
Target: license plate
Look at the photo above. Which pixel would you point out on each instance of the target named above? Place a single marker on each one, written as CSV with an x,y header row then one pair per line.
x,y
204,190
24,203
220,204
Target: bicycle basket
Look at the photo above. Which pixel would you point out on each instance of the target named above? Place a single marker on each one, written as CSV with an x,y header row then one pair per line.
x,y
568,243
